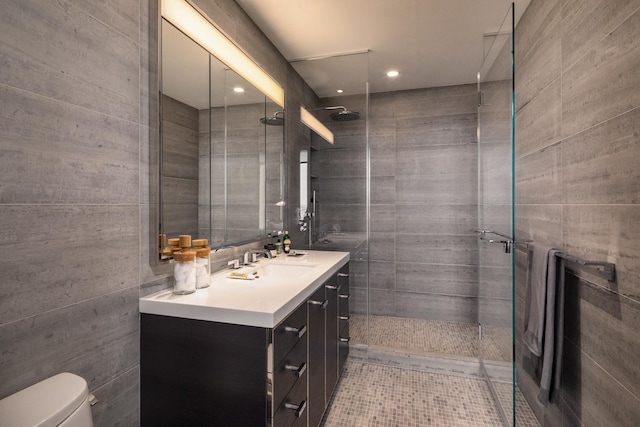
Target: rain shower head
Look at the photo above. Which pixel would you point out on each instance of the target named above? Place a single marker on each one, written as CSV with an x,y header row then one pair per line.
x,y
273,120
341,116
344,115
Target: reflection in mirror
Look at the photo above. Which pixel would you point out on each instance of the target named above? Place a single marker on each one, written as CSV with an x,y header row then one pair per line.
x,y
185,93
304,214
241,152
222,143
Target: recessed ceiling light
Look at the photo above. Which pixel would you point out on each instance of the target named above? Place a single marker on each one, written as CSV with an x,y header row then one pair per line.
x,y
392,73
238,89
339,91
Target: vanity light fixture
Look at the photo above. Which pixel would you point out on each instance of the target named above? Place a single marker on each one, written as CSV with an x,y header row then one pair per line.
x,y
191,22
393,73
339,90
315,125
238,89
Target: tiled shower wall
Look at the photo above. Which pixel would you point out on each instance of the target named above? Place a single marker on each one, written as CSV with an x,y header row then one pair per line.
x,y
423,252
577,175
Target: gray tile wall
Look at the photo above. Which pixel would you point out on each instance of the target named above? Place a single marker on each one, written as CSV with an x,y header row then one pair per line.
x,y
79,193
73,115
423,252
180,168
577,150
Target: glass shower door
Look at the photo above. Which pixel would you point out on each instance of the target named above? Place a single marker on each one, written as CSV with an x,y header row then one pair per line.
x,y
495,215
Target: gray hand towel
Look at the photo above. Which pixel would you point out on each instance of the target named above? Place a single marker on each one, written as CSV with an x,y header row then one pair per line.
x,y
544,317
534,313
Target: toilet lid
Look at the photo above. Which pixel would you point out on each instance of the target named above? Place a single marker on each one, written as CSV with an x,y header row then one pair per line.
x,y
46,403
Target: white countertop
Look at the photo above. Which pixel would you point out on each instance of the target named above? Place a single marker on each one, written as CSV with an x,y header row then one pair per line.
x,y
262,302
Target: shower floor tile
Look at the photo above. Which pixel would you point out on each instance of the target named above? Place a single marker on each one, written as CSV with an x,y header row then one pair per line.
x,y
429,337
524,414
376,395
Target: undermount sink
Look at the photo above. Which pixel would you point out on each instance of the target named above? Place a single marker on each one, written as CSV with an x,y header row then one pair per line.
x,y
284,270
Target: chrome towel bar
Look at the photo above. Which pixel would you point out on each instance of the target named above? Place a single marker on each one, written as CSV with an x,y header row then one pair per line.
x,y
605,269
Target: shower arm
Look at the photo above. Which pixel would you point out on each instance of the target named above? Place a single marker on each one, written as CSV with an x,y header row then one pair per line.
x,y
336,107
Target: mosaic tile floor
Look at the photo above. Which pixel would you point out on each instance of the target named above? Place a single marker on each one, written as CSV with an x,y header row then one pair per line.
x,y
431,337
524,414
374,395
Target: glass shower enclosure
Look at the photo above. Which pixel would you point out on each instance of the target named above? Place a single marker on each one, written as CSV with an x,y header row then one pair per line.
x,y
496,142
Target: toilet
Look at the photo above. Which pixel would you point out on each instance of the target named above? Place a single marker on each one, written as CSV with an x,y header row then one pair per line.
x,y
59,401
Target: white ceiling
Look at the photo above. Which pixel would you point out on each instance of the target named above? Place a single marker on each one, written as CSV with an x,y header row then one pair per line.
x,y
430,42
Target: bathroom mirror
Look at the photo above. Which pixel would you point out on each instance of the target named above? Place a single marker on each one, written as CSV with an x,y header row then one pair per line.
x,y
222,148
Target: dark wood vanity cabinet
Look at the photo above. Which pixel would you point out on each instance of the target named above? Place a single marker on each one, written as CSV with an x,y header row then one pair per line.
x,y
317,309
201,373
324,343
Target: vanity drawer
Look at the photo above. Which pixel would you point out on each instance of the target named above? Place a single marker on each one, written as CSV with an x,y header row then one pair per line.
x,y
343,321
292,368
343,346
289,332
343,302
343,291
293,409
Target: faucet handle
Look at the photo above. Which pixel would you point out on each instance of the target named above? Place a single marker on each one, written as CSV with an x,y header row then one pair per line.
x,y
234,263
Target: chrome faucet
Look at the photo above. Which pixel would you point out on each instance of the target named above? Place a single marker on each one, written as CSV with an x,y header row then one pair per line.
x,y
267,253
251,255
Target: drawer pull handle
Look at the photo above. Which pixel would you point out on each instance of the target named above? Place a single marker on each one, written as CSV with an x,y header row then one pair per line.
x,y
298,408
343,296
345,339
331,287
300,331
343,274
299,370
347,318
322,304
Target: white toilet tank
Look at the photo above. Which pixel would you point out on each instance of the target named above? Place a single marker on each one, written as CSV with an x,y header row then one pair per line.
x,y
59,401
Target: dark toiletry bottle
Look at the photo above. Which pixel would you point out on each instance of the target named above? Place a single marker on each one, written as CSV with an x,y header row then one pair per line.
x,y
286,240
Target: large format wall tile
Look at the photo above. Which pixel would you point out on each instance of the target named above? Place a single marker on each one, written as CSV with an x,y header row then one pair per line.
x,y
438,189
538,122
383,218
436,130
442,219
382,246
603,84
595,217
541,65
90,64
605,326
59,153
119,400
445,308
97,339
437,249
540,223
432,160
341,163
535,23
593,395
600,165
440,101
57,255
587,22
443,279
539,177
607,233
